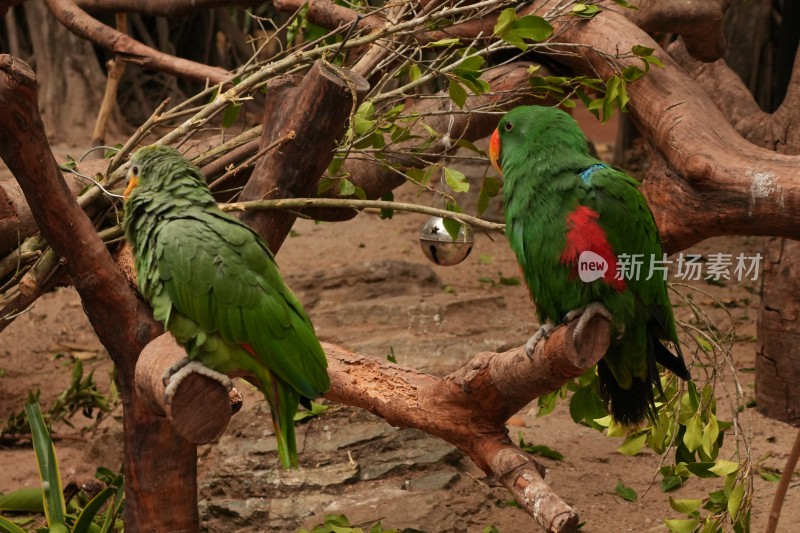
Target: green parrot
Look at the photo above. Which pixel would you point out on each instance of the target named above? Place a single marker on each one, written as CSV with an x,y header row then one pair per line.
x,y
572,221
214,284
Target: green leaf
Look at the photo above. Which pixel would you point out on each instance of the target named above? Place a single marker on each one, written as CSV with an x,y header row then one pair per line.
x,y
685,506
504,21
693,437
701,469
86,518
23,501
414,73
387,213
633,444
585,10
52,490
453,227
489,189
533,28
346,187
512,281
710,435
230,115
455,180
723,467
317,409
682,526
769,475
443,42
457,93
671,482
632,73
735,501
539,449
7,526
626,493
641,51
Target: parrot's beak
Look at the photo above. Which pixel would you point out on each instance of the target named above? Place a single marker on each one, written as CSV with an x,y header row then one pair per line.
x,y
494,151
133,181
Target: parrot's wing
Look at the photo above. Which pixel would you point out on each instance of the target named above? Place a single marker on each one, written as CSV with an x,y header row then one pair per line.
x,y
631,229
221,275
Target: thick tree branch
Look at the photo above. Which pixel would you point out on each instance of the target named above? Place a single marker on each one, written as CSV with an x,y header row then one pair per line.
x,y
129,49
467,408
698,21
163,8
309,119
122,321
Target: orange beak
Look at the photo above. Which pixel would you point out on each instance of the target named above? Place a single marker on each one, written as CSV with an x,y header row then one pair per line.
x,y
494,151
133,181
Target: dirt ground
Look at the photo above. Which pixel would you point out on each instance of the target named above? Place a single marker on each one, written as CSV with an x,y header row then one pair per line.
x,y
366,285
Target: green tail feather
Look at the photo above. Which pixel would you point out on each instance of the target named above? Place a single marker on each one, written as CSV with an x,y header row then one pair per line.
x,y
282,402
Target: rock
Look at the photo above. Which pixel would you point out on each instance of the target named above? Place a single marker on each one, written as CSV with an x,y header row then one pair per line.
x,y
438,481
414,449
335,436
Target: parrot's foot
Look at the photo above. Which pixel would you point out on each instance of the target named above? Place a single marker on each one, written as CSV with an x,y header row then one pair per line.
x,y
585,314
176,373
542,334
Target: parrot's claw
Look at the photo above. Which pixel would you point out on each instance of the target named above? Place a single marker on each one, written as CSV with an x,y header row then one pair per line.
x,y
176,373
585,314
543,333
174,369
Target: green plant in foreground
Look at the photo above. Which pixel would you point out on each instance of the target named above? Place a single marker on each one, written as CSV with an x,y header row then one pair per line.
x,y
73,516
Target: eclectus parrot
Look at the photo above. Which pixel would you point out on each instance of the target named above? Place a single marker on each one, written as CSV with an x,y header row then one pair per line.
x,y
214,284
564,207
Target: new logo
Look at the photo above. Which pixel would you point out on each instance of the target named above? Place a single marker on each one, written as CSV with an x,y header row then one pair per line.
x,y
591,266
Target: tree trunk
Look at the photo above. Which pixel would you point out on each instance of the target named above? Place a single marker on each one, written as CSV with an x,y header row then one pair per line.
x,y
765,67
70,81
778,354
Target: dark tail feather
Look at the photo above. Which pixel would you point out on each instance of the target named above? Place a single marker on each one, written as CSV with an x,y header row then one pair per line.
x,y
672,362
628,406
632,406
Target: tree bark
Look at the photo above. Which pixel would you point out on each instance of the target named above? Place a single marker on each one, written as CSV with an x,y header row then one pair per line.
x,y
70,78
123,322
307,120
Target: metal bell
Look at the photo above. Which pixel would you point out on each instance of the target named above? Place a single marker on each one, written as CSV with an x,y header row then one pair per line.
x,y
440,248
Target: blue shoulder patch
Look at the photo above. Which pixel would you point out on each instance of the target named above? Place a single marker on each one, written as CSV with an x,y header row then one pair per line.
x,y
586,175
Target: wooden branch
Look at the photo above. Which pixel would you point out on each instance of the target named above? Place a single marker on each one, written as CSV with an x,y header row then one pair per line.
x,y
467,408
159,8
199,422
116,68
708,181
698,21
129,49
124,324
316,113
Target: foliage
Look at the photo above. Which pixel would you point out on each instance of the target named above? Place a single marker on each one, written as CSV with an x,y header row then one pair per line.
x,y
688,425
81,395
82,513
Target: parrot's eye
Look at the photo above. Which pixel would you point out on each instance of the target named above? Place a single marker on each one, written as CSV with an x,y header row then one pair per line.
x,y
135,170
509,126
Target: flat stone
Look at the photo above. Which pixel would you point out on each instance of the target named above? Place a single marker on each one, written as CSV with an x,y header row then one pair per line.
x,y
337,436
321,477
437,481
412,451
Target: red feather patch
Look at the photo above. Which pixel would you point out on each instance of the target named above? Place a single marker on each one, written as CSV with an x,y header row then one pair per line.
x,y
584,234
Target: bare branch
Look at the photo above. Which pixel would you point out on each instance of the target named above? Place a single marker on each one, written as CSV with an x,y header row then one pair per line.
x,y
129,49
